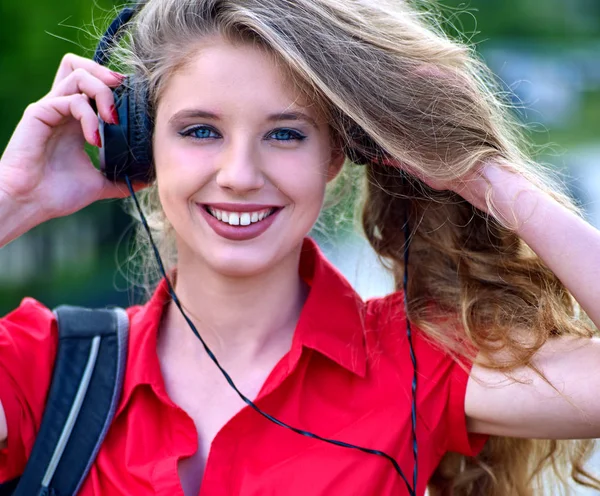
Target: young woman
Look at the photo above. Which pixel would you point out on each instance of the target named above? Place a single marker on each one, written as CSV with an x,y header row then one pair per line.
x,y
255,108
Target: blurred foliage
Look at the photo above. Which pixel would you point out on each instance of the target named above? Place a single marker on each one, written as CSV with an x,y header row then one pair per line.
x,y
567,21
545,29
35,35
33,38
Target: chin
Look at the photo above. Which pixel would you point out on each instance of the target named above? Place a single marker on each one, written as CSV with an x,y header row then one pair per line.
x,y
239,261
237,268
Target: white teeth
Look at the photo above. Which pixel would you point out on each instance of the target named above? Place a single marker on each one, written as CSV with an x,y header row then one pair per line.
x,y
234,219
240,218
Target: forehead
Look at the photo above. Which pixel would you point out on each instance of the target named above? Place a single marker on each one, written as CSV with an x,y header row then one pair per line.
x,y
229,76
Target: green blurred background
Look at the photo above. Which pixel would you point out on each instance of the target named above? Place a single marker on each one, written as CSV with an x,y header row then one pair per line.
x,y
546,52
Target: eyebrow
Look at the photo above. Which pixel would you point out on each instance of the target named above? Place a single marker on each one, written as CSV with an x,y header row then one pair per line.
x,y
282,116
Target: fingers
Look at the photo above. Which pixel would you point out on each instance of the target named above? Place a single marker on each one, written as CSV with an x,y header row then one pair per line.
x,y
71,62
82,81
53,112
78,80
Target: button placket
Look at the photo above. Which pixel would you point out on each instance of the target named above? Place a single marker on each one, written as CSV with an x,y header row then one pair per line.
x,y
219,464
165,474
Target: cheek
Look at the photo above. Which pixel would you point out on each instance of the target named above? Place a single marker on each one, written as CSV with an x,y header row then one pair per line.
x,y
306,190
180,173
170,191
306,173
300,179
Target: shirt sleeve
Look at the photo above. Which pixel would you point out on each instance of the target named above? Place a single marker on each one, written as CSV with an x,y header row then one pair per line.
x,y
28,343
458,438
442,387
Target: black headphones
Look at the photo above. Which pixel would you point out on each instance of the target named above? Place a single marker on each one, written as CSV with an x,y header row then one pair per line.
x,y
126,155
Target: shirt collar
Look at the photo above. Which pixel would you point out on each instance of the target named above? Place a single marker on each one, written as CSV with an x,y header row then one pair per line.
x,y
331,322
332,319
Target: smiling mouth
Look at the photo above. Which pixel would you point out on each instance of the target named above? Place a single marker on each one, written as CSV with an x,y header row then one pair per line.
x,y
240,218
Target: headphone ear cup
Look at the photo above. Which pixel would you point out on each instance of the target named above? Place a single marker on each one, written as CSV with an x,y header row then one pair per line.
x,y
126,147
140,132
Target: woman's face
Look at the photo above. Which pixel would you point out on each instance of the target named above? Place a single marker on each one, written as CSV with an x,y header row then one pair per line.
x,y
241,160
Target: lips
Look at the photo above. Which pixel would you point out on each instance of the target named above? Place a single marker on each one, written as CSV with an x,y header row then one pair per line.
x,y
239,222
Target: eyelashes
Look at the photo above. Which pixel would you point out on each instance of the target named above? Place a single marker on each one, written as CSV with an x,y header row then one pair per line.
x,y
209,133
286,134
200,132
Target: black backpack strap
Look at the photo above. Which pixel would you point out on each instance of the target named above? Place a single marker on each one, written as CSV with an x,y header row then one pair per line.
x,y
83,397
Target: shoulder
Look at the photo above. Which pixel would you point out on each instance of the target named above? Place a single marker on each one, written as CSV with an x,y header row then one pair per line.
x,y
29,310
28,328
388,328
30,335
388,331
28,347
32,324
442,376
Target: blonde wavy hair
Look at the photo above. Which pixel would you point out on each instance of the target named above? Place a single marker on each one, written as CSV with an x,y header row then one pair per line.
x,y
394,86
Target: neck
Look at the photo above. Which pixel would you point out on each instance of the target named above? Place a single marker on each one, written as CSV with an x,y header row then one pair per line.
x,y
238,318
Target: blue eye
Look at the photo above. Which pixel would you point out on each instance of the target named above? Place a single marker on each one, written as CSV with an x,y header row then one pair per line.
x,y
200,132
287,135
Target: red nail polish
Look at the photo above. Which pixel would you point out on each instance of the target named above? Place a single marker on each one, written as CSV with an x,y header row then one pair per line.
x,y
118,76
114,114
97,139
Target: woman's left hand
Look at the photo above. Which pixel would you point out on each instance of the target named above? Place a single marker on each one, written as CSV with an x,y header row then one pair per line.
x,y
471,187
491,177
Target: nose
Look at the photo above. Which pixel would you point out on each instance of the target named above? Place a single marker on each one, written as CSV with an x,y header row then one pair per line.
x,y
239,169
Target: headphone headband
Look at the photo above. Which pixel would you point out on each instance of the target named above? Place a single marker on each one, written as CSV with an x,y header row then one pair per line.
x,y
112,35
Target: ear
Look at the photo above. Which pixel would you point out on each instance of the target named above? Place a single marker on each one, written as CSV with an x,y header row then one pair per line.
x,y
338,157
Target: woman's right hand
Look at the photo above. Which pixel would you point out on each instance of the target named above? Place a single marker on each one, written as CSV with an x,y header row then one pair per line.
x,y
45,164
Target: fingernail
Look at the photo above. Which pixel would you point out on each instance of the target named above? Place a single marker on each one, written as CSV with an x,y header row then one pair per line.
x,y
114,114
118,76
97,139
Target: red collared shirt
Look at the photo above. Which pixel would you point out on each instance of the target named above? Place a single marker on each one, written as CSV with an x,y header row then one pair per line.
x,y
347,376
